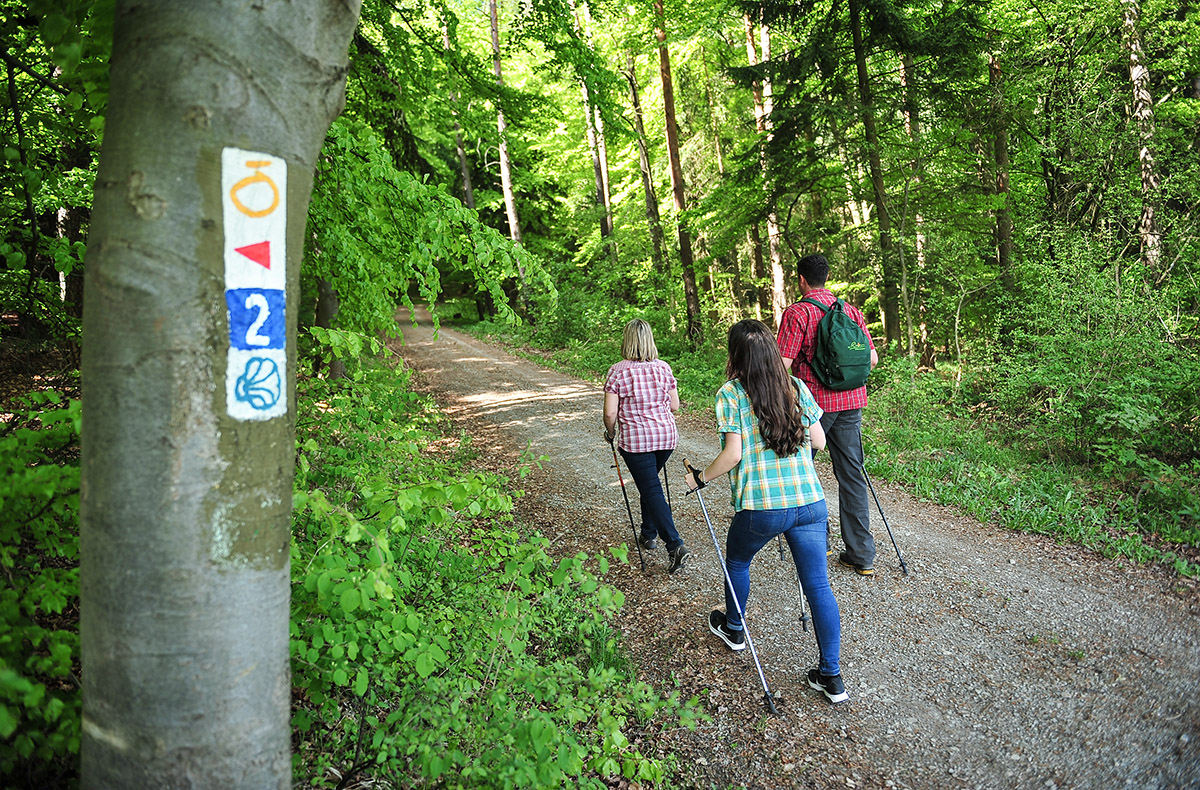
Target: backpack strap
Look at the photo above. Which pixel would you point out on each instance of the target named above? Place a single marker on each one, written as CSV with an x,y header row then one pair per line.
x,y
811,300
824,312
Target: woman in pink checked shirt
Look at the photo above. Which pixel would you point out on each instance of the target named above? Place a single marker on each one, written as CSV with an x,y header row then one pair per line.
x,y
640,401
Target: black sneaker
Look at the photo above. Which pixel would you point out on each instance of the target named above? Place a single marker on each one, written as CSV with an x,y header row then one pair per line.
x,y
735,640
861,570
832,687
677,555
648,543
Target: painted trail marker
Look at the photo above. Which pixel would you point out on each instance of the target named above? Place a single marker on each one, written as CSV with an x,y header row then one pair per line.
x,y
254,210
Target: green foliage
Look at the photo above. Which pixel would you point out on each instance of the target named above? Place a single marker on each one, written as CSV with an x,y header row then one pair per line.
x,y
430,642
39,553
377,234
932,432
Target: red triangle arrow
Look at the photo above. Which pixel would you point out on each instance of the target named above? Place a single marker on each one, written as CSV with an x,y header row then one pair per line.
x,y
259,253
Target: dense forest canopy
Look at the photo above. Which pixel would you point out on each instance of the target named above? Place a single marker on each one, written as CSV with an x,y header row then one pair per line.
x,y
1008,191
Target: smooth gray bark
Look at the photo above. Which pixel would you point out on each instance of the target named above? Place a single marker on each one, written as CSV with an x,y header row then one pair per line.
x,y
185,510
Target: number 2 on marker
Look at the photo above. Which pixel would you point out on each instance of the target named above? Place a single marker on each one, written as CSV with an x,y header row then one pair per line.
x,y
253,338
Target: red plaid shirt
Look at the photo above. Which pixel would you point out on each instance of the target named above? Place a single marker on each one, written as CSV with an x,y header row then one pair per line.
x,y
644,419
798,342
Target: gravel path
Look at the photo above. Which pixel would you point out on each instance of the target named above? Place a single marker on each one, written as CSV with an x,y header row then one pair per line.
x,y
1001,660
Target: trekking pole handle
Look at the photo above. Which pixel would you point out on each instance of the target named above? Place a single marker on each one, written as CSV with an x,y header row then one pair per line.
x,y
695,473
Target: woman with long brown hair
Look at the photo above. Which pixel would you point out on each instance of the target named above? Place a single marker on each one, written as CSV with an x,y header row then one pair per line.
x,y
769,426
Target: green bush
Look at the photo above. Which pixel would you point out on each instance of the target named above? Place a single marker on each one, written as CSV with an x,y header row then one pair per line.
x,y
39,556
430,642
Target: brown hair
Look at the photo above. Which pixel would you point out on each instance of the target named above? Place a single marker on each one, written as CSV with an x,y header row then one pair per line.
x,y
754,360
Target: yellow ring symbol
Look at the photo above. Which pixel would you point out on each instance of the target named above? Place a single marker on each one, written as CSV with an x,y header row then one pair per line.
x,y
257,177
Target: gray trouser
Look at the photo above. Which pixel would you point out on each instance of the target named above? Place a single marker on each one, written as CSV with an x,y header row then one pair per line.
x,y
843,440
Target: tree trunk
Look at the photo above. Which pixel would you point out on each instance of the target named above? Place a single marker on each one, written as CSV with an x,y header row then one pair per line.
x,y
1004,225
510,199
891,295
914,299
188,440
1143,114
328,305
763,302
595,131
690,294
779,300
464,164
652,217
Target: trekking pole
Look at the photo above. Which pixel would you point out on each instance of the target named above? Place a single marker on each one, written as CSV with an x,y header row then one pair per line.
x,y
862,453
628,509
767,698
799,587
667,484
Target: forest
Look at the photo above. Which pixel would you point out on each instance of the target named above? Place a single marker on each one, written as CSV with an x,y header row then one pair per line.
x,y
1008,191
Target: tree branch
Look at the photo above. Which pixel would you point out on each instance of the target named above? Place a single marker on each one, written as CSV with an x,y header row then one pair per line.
x,y
45,82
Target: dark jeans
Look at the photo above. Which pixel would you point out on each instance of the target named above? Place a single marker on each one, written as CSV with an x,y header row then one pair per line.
x,y
656,513
843,440
804,530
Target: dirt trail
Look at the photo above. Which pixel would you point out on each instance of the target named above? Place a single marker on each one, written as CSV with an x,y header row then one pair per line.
x,y
1001,661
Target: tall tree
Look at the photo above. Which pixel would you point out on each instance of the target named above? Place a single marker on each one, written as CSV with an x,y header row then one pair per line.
x,y
757,259
460,150
1149,236
217,112
510,198
652,216
891,291
690,294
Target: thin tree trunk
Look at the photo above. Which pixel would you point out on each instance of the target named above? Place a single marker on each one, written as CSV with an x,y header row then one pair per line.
x,y
652,216
1143,114
891,296
913,298
187,454
691,296
506,184
1004,225
328,305
764,301
464,164
779,301
596,120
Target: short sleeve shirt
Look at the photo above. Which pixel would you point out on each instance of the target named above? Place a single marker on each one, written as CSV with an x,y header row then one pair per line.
x,y
763,480
644,419
798,342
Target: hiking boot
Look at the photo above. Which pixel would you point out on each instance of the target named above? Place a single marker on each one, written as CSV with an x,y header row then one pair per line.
x,y
649,544
735,640
832,687
861,570
677,556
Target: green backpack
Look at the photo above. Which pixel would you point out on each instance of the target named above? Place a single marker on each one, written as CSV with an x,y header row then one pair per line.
x,y
842,359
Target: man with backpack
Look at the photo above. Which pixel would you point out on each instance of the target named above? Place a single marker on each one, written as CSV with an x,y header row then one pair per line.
x,y
825,343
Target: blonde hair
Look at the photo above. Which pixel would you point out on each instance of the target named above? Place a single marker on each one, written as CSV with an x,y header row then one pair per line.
x,y
638,343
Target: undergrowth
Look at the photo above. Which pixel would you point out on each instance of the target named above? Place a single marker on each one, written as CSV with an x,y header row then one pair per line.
x,y
431,641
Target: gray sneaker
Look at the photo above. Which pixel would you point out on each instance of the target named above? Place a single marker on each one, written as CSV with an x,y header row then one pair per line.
x,y
677,555
648,543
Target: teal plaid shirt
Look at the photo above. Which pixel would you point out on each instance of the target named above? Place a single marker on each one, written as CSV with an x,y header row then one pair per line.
x,y
762,480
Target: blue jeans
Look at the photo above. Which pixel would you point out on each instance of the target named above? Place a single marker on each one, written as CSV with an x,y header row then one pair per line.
x,y
804,529
656,513
843,440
